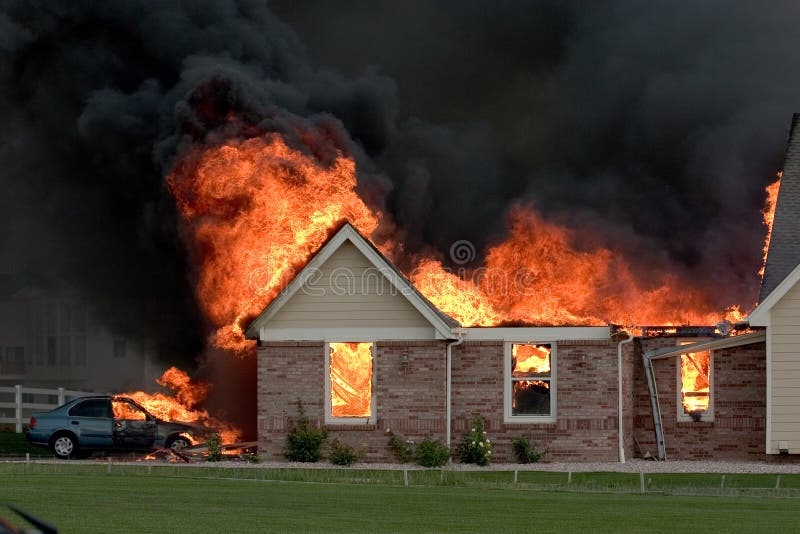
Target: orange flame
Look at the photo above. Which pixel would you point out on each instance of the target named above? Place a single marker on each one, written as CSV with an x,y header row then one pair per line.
x,y
256,210
537,276
530,359
351,379
182,405
768,217
695,382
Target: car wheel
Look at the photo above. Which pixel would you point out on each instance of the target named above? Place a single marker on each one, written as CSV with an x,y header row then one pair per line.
x,y
64,446
176,444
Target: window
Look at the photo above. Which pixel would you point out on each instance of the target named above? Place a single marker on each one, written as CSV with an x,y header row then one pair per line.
x,y
695,380
90,408
348,386
64,356
51,350
119,349
530,382
80,350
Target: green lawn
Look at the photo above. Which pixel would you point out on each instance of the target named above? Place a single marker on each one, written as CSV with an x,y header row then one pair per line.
x,y
89,499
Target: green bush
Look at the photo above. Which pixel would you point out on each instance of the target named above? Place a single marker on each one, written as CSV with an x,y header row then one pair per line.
x,y
403,451
304,442
214,445
431,453
343,454
524,452
475,448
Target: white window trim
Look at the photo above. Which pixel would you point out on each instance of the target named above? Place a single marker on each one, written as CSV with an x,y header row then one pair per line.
x,y
708,414
507,417
331,420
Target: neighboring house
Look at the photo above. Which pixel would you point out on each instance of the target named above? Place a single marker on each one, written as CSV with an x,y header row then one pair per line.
x,y
50,338
367,354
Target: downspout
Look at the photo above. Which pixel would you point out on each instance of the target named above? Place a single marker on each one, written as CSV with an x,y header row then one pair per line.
x,y
620,419
459,332
651,385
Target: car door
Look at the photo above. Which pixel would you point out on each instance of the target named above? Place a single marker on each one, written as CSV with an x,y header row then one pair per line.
x,y
90,420
134,428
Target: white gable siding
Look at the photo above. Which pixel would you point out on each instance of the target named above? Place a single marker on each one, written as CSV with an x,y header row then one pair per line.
x,y
346,293
785,373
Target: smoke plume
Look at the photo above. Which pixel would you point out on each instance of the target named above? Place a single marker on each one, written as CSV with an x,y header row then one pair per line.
x,y
656,127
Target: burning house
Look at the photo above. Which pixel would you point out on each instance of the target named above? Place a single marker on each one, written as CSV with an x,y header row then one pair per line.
x,y
366,353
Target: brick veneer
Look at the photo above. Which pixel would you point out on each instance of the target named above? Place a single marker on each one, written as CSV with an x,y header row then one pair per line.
x,y
737,430
586,404
410,391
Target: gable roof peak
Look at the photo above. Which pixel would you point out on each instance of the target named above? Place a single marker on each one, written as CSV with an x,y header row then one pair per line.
x,y
441,322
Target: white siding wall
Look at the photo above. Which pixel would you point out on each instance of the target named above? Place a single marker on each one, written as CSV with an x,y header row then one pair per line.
x,y
785,338
348,292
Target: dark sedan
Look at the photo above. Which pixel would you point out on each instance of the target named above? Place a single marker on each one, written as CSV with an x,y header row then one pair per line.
x,y
106,422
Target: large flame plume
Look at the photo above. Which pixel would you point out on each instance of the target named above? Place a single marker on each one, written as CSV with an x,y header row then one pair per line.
x,y
256,210
183,404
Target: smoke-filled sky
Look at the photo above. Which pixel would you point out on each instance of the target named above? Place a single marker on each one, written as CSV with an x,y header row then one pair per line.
x,y
653,125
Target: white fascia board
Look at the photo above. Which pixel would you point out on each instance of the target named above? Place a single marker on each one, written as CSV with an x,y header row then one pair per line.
x,y
760,316
349,334
534,333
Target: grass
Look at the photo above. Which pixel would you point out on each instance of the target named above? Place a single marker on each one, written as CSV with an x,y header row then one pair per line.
x,y
13,444
87,498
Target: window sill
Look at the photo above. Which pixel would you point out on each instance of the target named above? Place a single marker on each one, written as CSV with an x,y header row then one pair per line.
x,y
350,426
527,421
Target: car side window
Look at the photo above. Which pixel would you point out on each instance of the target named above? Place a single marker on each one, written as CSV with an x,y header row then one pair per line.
x,y
90,408
128,411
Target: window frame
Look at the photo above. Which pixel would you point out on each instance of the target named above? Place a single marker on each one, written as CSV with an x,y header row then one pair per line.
x,y
508,417
706,415
330,419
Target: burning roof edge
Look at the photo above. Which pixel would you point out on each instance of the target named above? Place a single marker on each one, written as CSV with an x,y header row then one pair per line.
x,y
442,323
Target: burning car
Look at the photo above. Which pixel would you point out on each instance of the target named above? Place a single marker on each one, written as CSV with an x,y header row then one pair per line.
x,y
106,422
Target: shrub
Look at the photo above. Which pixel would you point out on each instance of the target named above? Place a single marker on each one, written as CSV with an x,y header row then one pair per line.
x,y
524,451
475,448
431,453
251,458
343,454
403,451
214,445
304,442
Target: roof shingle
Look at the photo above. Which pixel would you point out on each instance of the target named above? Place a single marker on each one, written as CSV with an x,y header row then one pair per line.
x,y
784,246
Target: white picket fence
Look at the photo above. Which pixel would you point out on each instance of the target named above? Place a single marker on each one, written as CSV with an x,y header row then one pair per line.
x,y
23,410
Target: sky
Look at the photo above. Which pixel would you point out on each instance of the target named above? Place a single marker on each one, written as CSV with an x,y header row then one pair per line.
x,y
651,128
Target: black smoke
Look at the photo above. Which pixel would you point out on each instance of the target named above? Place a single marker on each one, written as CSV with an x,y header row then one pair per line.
x,y
654,126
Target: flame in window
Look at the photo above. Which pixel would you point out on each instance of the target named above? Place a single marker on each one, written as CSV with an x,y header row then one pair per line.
x,y
351,379
695,382
530,359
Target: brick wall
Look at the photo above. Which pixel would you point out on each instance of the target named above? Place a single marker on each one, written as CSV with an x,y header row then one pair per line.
x,y
410,391
737,430
586,404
